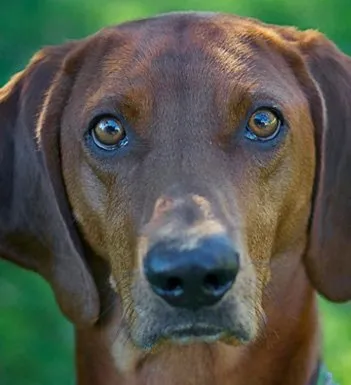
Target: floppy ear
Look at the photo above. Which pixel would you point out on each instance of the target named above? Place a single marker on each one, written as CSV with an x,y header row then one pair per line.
x,y
328,256
36,227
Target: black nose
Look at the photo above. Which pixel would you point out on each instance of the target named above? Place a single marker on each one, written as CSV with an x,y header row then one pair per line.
x,y
192,278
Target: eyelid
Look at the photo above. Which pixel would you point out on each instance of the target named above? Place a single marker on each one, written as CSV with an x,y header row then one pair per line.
x,y
260,103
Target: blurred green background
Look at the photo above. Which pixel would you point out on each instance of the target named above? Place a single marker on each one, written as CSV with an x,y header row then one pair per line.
x,y
36,343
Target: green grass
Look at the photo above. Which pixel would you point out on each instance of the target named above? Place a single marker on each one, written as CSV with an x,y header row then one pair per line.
x,y
35,340
336,322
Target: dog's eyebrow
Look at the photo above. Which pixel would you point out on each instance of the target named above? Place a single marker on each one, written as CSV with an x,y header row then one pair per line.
x,y
98,102
117,102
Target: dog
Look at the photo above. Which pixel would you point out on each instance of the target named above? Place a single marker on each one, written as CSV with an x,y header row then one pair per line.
x,y
182,184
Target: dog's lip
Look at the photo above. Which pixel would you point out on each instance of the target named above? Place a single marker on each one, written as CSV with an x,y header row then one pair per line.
x,y
195,333
205,333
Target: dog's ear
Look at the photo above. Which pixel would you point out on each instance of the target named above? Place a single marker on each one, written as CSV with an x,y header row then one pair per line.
x,y
328,255
36,227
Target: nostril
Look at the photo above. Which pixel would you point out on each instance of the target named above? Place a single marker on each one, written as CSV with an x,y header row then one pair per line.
x,y
173,286
167,286
211,282
217,284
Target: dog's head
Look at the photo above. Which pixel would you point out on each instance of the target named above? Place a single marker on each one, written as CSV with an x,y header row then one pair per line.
x,y
198,155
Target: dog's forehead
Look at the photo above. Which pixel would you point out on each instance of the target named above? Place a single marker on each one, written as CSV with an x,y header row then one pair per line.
x,y
195,39
206,49
193,58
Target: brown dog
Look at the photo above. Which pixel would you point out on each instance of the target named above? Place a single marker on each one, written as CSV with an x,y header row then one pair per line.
x,y
182,182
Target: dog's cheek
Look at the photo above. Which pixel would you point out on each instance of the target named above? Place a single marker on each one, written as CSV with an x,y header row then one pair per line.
x,y
120,241
87,197
260,201
100,207
296,192
260,218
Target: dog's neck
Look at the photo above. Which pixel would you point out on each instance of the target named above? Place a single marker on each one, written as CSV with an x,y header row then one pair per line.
x,y
286,353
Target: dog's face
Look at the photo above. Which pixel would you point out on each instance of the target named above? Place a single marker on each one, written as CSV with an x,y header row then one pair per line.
x,y
196,166
189,163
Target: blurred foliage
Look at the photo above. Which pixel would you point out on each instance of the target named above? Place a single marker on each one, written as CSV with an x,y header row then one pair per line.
x,y
36,343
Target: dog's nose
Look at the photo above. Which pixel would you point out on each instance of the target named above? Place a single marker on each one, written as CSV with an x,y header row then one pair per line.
x,y
192,278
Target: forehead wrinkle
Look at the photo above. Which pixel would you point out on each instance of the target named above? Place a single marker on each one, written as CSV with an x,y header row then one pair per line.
x,y
135,59
251,40
123,48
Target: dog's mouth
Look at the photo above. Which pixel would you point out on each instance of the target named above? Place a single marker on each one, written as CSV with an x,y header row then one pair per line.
x,y
195,333
185,330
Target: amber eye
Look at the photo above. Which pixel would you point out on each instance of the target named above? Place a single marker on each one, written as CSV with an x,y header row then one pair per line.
x,y
108,133
263,124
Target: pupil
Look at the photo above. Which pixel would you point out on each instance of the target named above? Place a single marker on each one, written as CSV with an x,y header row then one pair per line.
x,y
110,127
263,120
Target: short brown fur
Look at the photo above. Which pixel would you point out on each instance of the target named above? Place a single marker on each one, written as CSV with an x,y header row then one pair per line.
x,y
185,85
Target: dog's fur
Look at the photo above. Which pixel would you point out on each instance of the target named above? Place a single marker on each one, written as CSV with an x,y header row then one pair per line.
x,y
185,85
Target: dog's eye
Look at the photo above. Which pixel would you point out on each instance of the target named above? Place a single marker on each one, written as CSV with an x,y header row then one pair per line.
x,y
108,133
264,124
